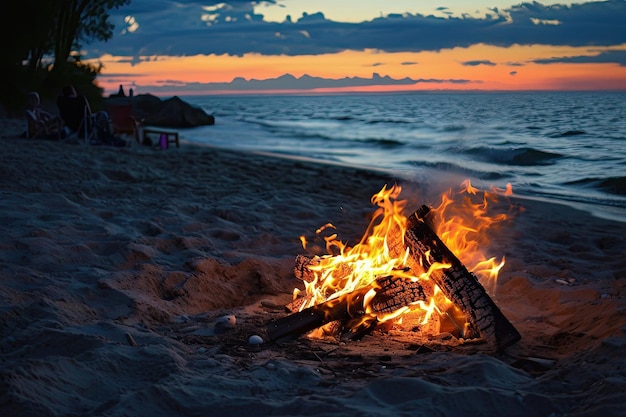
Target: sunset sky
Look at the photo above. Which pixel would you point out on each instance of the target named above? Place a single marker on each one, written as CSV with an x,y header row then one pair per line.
x,y
193,47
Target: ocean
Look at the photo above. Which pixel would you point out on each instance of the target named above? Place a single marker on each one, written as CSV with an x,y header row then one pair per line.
x,y
568,147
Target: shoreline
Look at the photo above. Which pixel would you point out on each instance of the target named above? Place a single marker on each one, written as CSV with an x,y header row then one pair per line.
x,y
102,246
427,174
599,210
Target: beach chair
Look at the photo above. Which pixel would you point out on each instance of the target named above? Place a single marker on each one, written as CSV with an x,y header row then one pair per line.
x,y
40,123
89,128
79,119
122,119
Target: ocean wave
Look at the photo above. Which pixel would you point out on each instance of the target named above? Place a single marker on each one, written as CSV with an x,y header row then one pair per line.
x,y
456,168
514,156
339,142
568,133
389,121
343,118
611,185
453,128
390,143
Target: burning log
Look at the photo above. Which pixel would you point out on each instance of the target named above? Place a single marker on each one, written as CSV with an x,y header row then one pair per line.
x,y
392,293
457,283
425,252
338,309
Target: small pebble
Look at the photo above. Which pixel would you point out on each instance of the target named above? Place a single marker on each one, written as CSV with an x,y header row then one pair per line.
x,y
255,340
226,322
202,350
562,281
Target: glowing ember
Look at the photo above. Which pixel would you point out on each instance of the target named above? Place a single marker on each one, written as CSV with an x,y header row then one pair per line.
x,y
461,221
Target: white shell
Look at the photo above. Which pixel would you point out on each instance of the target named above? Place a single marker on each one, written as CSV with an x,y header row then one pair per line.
x,y
255,339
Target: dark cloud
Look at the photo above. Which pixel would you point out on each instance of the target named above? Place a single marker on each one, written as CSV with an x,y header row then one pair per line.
x,y
618,57
479,62
186,28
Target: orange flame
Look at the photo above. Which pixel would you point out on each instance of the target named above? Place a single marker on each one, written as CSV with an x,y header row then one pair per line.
x,y
461,221
463,226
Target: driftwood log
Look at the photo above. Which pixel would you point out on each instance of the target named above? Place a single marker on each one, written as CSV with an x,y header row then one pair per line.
x,y
425,249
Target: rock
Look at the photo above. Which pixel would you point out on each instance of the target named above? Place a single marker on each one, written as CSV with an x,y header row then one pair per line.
x,y
172,113
145,105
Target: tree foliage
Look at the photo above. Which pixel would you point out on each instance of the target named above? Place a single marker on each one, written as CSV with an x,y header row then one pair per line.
x,y
82,21
43,39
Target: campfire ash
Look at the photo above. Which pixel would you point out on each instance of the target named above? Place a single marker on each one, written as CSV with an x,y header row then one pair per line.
x,y
404,269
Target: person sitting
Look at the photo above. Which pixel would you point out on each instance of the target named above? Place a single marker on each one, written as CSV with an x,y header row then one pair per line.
x,y
74,110
40,123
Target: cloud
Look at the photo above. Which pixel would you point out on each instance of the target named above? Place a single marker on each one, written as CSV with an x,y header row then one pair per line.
x,y
479,62
544,22
618,57
186,28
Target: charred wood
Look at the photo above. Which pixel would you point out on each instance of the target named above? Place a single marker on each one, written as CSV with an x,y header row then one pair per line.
x,y
425,248
391,293
457,283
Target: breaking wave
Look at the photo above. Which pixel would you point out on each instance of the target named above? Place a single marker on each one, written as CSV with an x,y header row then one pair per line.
x,y
613,185
516,156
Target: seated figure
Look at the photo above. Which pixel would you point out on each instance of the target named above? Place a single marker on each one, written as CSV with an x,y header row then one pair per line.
x,y
94,127
74,110
40,123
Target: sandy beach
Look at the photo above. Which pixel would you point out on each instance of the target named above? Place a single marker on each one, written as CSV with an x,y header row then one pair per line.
x,y
116,264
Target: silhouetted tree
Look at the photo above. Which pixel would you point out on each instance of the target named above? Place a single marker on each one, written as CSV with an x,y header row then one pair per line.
x,y
79,22
26,31
41,34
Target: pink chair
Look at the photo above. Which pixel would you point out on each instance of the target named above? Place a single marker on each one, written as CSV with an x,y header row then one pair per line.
x,y
122,119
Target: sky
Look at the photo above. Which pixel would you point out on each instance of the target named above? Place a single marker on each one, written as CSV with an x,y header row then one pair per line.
x,y
189,47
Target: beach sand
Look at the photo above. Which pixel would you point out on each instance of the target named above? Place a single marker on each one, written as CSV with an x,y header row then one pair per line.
x,y
116,264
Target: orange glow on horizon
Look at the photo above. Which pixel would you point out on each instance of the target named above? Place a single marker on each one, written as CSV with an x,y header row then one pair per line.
x,y
493,68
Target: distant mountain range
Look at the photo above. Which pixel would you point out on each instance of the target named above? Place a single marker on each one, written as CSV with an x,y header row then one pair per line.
x,y
307,82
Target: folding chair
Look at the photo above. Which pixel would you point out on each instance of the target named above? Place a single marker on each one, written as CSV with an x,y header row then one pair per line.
x,y
122,119
89,127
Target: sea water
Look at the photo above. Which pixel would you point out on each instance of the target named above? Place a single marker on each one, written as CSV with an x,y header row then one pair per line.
x,y
563,146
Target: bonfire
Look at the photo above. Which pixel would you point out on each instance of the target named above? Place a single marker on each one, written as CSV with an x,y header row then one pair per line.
x,y
426,269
